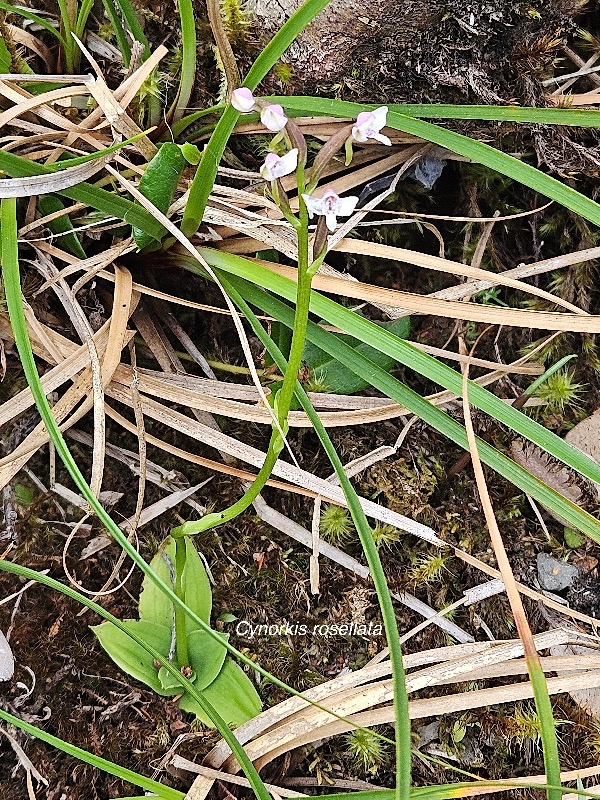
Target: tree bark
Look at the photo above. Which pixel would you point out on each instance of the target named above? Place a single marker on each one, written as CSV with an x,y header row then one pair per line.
x,y
324,51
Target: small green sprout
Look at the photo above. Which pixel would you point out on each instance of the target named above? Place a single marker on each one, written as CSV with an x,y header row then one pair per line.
x,y
428,568
385,535
336,524
560,391
366,750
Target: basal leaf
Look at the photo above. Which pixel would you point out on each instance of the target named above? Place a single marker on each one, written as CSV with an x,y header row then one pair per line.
x,y
206,658
332,376
232,695
155,607
131,657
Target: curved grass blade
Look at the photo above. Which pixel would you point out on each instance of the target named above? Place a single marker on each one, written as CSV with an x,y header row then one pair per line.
x,y
120,35
108,202
575,117
24,12
164,792
188,58
206,173
463,145
187,686
367,331
10,271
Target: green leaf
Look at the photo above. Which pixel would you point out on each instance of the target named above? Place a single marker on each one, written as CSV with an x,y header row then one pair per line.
x,y
131,657
155,606
109,203
335,377
5,59
159,182
573,539
206,657
48,204
232,694
191,153
24,495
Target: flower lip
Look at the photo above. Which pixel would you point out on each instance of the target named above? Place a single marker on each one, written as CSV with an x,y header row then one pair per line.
x,y
275,166
243,100
331,206
273,117
369,124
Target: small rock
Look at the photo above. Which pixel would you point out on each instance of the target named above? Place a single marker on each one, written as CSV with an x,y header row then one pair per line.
x,y
555,575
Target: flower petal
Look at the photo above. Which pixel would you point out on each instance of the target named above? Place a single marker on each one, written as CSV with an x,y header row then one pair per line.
x,y
381,138
331,221
242,100
365,118
289,162
380,117
273,118
313,205
346,206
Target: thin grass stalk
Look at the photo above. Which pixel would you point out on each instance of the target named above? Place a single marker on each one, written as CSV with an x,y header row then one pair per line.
x,y
120,34
188,58
395,390
69,48
10,271
187,686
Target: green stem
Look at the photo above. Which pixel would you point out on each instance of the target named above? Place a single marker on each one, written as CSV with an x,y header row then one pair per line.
x,y
69,43
188,62
180,632
401,711
284,396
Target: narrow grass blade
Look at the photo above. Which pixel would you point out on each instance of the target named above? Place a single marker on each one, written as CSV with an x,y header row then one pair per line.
x,y
403,731
207,171
108,202
537,116
164,792
188,57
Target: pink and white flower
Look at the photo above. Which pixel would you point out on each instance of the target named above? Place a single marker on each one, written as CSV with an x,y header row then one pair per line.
x,y
273,117
277,166
243,100
369,124
331,206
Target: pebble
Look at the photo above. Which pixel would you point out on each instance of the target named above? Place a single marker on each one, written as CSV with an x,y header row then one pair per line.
x,y
555,575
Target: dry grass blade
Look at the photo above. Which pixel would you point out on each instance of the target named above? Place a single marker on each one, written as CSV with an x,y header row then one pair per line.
x,y
45,184
534,667
251,455
293,723
449,309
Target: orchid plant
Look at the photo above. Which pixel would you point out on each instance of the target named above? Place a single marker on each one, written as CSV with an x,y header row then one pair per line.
x,y
327,208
